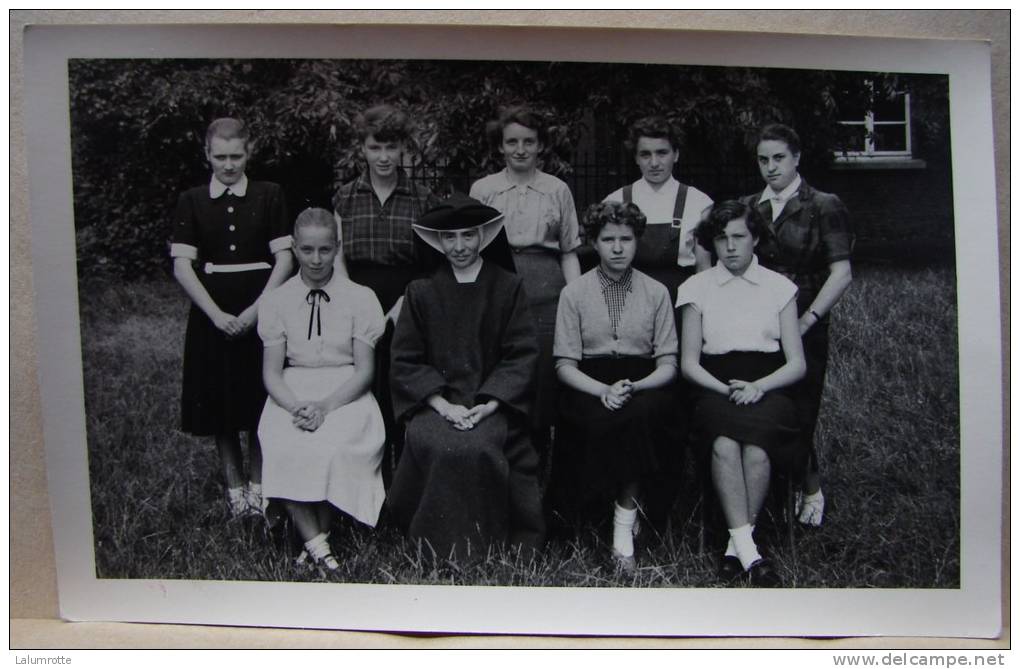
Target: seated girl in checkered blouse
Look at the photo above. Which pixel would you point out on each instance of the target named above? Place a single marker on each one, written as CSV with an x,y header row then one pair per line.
x,y
322,432
741,350
615,354
237,232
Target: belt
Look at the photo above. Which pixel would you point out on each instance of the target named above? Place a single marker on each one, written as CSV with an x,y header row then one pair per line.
x,y
242,267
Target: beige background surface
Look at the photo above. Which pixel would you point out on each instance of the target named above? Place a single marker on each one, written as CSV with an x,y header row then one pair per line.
x,y
33,594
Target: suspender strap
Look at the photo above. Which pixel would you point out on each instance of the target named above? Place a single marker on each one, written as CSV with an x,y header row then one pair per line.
x,y
628,193
681,202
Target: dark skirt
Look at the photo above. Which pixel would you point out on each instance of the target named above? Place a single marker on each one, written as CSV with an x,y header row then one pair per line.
x,y
222,387
543,281
770,423
602,449
388,282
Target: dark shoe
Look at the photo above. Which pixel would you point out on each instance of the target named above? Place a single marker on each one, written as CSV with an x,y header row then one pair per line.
x,y
763,575
730,569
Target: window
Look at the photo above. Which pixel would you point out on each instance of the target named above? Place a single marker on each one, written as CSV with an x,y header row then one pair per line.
x,y
877,134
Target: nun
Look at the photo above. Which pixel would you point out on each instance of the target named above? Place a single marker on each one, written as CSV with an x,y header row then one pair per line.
x,y
463,366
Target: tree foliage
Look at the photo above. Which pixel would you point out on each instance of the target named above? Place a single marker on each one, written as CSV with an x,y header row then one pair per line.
x,y
137,126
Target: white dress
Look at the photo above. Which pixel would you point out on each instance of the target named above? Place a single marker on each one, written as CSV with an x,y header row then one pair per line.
x,y
340,461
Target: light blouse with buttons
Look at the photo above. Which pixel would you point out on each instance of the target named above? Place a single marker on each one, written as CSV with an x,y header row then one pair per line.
x,y
540,214
319,329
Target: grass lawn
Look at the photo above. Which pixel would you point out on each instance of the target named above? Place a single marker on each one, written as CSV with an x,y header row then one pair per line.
x,y
888,442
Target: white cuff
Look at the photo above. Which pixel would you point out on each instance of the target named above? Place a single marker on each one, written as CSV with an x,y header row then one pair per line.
x,y
280,244
184,251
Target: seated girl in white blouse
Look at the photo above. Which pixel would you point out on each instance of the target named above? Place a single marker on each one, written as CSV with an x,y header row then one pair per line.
x,y
321,430
740,346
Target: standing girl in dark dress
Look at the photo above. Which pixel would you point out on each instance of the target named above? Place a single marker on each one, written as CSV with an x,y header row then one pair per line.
x,y
237,231
809,241
615,356
740,348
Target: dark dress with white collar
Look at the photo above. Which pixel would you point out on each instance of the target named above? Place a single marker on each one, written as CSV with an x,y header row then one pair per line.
x,y
222,387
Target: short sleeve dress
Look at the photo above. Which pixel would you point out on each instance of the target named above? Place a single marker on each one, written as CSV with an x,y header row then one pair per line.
x,y
232,238
741,340
340,462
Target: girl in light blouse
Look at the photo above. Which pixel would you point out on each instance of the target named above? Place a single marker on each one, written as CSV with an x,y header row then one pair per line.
x,y
322,432
541,225
741,348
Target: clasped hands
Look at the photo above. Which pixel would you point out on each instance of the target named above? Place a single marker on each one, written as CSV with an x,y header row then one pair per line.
x,y
617,395
309,416
235,326
744,392
461,417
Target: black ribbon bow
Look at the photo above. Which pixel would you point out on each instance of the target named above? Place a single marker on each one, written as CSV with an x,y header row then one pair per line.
x,y
315,297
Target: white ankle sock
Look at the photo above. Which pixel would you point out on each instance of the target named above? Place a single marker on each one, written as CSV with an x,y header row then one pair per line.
x,y
318,546
731,548
235,496
743,543
623,530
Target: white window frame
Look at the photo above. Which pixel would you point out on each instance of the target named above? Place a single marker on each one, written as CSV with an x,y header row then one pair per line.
x,y
868,153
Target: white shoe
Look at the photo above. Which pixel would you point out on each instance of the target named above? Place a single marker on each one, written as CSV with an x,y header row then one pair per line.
x,y
255,501
810,508
237,503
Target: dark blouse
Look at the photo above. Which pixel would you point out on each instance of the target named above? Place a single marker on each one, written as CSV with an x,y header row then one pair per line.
x,y
812,232
232,229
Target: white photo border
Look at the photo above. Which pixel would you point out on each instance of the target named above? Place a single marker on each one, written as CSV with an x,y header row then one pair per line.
x,y
973,610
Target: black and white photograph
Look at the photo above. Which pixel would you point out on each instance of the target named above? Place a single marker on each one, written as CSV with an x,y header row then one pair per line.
x,y
687,329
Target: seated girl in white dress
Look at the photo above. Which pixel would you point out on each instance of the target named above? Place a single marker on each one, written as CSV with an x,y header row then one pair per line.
x,y
322,432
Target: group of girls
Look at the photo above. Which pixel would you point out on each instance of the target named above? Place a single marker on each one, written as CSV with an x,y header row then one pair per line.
x,y
459,331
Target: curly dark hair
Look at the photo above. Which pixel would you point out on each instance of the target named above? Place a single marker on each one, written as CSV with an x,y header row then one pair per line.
x,y
714,221
781,133
655,127
601,214
520,115
385,123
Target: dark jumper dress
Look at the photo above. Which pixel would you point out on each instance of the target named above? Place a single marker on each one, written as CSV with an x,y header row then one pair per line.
x,y
222,387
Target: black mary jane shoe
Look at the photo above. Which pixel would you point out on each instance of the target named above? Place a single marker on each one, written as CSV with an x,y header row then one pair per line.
x,y
763,575
730,569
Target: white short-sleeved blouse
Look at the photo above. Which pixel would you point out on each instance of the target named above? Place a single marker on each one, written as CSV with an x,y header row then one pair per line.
x,y
738,313
352,312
